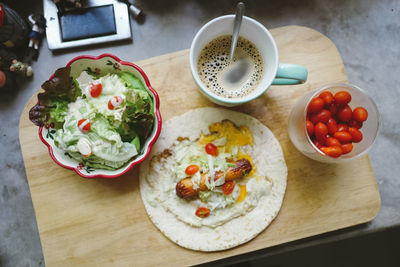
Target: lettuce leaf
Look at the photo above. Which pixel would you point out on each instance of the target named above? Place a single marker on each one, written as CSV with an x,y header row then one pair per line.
x,y
53,102
138,118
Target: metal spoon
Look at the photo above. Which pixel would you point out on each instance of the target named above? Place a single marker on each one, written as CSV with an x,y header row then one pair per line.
x,y
236,27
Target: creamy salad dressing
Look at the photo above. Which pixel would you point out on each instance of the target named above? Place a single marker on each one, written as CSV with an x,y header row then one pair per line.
x,y
104,141
111,86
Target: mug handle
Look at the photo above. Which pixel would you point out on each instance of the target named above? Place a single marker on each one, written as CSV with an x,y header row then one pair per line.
x,y
289,74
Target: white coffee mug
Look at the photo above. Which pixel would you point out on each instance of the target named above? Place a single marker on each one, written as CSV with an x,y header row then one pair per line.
x,y
274,72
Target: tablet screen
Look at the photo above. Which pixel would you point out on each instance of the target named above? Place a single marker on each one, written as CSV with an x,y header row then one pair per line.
x,y
87,23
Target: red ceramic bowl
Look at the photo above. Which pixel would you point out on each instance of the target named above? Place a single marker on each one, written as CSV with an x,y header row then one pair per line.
x,y
103,64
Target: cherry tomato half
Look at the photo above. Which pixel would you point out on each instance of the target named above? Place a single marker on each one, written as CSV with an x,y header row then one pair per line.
x,y
332,151
316,104
191,169
95,89
310,128
343,137
211,149
228,187
84,125
202,212
327,97
332,126
356,135
330,141
347,148
345,113
360,114
320,130
342,98
321,116
115,102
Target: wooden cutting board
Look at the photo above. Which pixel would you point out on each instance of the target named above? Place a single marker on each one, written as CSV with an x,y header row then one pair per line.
x,y
103,222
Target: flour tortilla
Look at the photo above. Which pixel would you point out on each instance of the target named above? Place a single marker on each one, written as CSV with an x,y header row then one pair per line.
x,y
268,159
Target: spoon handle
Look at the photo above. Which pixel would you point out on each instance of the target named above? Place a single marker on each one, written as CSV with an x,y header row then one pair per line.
x,y
236,27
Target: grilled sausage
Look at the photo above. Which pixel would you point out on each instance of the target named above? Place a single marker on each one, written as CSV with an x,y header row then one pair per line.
x,y
184,188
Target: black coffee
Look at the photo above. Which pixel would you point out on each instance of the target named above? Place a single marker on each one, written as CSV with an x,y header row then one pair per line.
x,y
226,78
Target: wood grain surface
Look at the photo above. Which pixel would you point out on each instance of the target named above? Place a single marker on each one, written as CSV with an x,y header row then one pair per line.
x,y
102,222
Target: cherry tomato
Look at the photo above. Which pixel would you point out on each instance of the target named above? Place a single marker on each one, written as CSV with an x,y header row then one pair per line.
x,y
343,137
332,151
341,127
211,149
95,89
342,98
356,135
317,143
321,116
202,212
310,128
327,97
330,141
355,124
345,113
84,125
228,187
360,114
316,104
347,148
320,130
115,102
332,126
333,109
191,169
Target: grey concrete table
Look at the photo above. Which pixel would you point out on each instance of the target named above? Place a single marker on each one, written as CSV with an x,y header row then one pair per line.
x,y
367,34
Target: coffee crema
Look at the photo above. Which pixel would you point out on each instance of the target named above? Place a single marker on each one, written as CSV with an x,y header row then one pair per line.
x,y
230,78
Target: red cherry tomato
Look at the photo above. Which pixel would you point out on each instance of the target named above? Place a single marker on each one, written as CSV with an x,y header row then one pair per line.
x,y
341,127
332,151
317,143
347,148
332,126
321,116
84,125
316,104
211,149
95,89
345,113
360,114
310,128
191,169
202,212
355,124
343,137
330,141
333,109
342,98
228,187
327,97
356,135
320,131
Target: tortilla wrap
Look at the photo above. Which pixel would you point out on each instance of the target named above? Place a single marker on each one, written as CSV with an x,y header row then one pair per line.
x,y
268,158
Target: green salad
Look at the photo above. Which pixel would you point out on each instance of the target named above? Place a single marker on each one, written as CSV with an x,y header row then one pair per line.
x,y
101,121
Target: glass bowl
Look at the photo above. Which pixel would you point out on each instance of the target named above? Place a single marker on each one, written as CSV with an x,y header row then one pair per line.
x,y
298,131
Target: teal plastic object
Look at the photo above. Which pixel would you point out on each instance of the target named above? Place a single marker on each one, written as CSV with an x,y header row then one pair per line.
x,y
288,74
